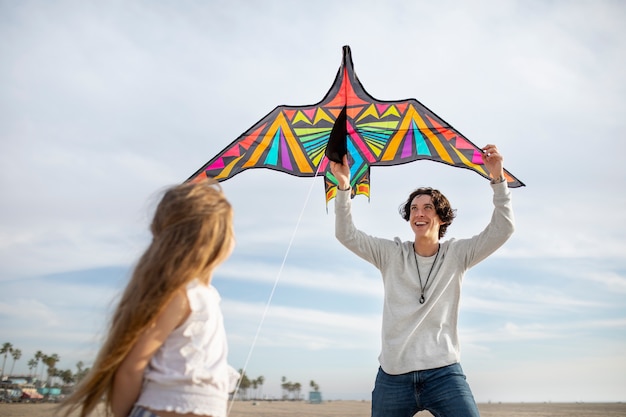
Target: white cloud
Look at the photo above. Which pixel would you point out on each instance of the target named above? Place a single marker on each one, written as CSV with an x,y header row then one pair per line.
x,y
30,311
348,280
301,327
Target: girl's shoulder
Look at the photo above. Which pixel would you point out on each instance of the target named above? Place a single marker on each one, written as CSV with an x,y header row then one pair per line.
x,y
200,295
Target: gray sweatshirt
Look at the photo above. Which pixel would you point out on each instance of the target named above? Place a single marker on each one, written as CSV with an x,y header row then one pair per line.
x,y
423,336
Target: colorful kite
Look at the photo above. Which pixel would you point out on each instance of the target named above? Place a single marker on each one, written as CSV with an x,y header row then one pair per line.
x,y
300,140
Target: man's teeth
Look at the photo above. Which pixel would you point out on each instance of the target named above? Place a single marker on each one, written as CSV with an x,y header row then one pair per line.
x,y
420,223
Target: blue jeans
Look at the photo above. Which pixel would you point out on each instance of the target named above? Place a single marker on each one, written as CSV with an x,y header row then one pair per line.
x,y
139,411
444,392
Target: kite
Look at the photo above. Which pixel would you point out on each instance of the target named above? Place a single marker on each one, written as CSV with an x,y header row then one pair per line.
x,y
301,140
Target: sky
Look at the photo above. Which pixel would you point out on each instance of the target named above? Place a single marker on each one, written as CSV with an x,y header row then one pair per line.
x,y
105,104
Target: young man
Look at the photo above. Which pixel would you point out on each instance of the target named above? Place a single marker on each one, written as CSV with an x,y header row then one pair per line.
x,y
419,361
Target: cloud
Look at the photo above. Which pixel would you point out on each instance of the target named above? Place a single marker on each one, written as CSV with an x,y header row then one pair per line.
x,y
301,328
348,280
29,311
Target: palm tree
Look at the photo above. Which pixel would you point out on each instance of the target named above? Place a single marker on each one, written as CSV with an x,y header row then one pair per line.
x,y
50,362
16,355
255,385
260,380
313,385
297,387
80,371
284,386
292,389
44,359
38,357
32,364
244,384
66,376
5,350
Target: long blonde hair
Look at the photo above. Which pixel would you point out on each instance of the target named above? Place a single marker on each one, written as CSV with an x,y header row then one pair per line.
x,y
192,233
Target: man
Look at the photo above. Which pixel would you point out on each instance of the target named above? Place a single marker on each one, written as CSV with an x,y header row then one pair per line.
x,y
419,360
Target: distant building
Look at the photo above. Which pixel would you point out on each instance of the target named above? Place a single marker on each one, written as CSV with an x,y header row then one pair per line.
x,y
315,397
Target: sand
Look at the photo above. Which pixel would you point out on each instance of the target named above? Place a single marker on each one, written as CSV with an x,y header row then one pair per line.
x,y
362,409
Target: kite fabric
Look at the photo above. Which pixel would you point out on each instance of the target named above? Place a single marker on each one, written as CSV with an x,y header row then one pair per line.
x,y
300,140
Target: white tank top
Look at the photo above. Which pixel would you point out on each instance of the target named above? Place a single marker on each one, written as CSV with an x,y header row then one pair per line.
x,y
189,373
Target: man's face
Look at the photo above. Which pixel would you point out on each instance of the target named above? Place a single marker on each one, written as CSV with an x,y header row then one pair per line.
x,y
424,219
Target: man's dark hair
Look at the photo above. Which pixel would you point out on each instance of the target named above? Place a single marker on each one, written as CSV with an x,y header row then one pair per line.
x,y
441,203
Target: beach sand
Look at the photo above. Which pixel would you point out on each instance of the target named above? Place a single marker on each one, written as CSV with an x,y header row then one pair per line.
x,y
362,409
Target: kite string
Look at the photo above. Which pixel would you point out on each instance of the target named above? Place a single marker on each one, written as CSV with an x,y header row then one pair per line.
x,y
271,296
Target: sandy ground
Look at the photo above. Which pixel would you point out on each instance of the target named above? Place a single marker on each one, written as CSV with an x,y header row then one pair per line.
x,y
362,409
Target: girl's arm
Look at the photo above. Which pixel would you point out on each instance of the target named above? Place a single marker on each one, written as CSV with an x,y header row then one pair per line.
x,y
129,377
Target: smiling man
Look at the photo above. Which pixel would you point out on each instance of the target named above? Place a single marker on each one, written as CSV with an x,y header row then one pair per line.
x,y
419,360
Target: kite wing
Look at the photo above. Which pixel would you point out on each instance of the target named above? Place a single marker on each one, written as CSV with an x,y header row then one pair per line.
x,y
296,139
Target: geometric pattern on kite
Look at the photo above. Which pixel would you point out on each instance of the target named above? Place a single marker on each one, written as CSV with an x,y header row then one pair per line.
x,y
294,139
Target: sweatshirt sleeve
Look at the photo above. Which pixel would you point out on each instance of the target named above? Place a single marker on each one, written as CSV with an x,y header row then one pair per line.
x,y
497,232
345,230
371,249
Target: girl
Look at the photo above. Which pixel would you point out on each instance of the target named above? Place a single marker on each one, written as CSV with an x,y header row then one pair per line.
x,y
165,353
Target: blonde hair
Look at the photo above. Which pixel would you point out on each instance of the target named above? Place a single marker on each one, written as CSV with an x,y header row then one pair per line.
x,y
192,233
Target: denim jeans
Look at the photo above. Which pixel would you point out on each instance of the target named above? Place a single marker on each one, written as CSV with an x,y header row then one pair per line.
x,y
139,411
444,392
